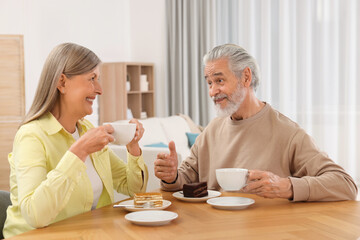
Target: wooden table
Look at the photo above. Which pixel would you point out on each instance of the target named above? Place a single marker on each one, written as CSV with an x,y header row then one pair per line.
x,y
265,219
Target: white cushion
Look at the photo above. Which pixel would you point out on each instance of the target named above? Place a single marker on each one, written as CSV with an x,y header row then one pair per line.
x,y
154,132
175,128
164,130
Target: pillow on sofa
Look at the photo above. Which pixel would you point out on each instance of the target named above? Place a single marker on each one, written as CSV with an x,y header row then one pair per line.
x,y
159,144
194,128
191,138
154,132
174,128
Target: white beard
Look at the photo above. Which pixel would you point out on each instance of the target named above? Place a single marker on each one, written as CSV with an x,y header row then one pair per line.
x,y
233,104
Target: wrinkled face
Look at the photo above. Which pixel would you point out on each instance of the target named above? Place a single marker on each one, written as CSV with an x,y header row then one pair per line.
x,y
224,87
80,91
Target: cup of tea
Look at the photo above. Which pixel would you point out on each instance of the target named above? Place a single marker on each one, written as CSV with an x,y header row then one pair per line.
x,y
231,179
123,132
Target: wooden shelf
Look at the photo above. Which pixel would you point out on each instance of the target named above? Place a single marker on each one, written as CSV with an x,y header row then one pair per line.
x,y
116,99
137,92
12,104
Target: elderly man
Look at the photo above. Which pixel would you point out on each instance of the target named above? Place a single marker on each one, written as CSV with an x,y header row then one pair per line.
x,y
282,159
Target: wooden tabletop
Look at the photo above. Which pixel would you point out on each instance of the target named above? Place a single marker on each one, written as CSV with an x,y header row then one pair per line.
x,y
265,219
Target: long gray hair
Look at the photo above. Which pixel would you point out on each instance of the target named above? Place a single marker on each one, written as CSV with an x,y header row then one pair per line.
x,y
67,58
238,59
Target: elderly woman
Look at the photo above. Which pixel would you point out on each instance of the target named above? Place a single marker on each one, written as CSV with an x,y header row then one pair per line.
x,y
60,164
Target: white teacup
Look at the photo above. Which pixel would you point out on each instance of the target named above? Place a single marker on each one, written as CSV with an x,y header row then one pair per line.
x,y
231,179
123,132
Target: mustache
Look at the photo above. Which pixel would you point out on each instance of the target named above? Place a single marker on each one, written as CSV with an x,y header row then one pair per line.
x,y
219,96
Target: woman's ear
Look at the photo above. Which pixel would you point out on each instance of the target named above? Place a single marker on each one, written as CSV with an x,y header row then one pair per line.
x,y
61,84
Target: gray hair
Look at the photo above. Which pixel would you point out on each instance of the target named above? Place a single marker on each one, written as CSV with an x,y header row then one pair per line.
x,y
238,58
67,58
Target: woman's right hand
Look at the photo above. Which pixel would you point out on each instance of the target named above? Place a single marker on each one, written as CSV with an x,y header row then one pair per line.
x,y
92,141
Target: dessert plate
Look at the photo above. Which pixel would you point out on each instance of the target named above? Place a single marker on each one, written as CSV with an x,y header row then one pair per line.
x,y
151,218
211,194
129,205
230,203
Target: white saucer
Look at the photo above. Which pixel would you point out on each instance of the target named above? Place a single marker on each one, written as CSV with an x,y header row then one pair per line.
x,y
230,203
211,194
151,218
132,208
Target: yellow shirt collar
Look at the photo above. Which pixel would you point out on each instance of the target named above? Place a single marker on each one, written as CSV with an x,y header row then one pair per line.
x,y
52,126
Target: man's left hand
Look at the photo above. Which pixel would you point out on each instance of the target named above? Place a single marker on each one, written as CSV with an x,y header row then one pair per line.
x,y
268,185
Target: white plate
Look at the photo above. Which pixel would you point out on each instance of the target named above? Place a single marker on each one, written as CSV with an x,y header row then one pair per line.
x,y
132,208
230,203
151,218
211,194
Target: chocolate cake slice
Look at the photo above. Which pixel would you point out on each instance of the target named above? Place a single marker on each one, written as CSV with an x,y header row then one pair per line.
x,y
195,190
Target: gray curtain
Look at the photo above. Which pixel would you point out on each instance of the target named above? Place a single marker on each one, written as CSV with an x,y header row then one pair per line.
x,y
193,28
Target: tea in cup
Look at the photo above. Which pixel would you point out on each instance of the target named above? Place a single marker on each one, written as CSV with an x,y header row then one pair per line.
x,y
231,179
123,132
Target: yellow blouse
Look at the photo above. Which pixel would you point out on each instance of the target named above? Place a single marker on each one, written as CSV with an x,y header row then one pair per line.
x,y
49,183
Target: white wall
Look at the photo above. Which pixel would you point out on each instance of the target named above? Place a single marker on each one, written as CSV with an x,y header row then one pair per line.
x,y
116,30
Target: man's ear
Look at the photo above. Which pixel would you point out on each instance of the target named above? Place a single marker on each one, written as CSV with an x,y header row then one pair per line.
x,y
61,84
246,77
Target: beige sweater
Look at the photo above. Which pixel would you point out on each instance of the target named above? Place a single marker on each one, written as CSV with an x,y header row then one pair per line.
x,y
266,141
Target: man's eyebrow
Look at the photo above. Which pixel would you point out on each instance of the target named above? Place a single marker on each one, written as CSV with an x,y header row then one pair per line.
x,y
218,74
215,74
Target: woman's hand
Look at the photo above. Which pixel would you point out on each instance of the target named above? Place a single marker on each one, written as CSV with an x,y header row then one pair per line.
x,y
92,141
133,146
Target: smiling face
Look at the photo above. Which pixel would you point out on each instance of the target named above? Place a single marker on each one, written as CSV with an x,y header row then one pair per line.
x,y
79,92
224,87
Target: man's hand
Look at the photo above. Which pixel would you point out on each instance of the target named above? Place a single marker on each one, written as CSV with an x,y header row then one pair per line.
x,y
268,185
165,166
